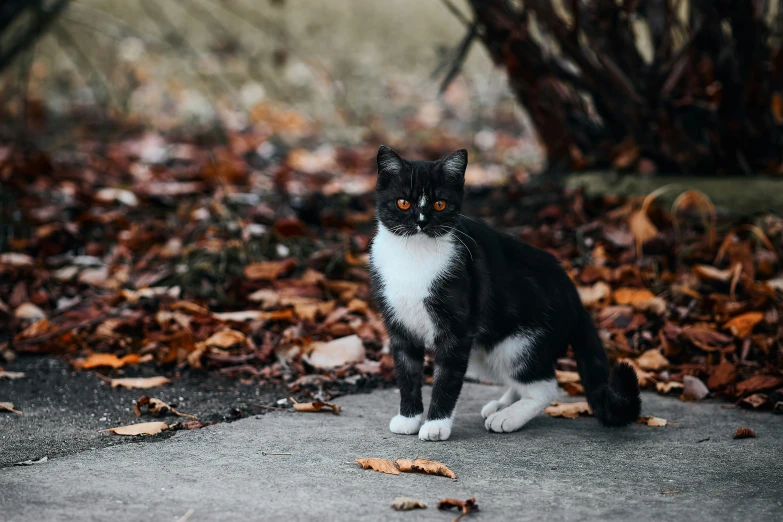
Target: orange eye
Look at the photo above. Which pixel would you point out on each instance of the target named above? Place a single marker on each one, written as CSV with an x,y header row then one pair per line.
x,y
439,205
403,204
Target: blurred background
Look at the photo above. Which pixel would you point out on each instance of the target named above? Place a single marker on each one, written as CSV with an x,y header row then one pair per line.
x,y
188,185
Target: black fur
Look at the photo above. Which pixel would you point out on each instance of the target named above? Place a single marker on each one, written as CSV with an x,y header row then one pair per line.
x,y
502,287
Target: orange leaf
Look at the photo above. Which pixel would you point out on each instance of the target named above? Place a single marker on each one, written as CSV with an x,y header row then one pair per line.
x,y
742,325
316,406
745,433
143,428
96,360
269,270
569,410
652,360
382,465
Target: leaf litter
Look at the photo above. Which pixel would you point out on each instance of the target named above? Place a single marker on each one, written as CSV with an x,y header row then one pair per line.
x,y
418,465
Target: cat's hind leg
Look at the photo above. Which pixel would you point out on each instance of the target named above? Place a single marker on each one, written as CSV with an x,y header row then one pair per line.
x,y
535,397
508,398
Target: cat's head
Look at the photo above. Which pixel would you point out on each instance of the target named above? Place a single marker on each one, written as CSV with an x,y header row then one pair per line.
x,y
419,197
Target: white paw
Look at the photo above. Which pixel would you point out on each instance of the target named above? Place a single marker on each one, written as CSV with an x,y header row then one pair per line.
x,y
504,421
490,408
435,430
405,425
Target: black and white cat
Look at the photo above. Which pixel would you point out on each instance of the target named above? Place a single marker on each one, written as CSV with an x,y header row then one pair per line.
x,y
469,294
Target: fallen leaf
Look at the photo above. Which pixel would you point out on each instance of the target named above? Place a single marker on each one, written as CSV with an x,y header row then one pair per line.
x,y
156,408
694,388
11,375
655,422
710,273
16,259
756,400
338,352
316,406
429,467
144,428
706,338
745,433
9,406
642,228
569,410
465,506
722,375
758,383
29,311
226,338
240,317
96,360
139,382
407,504
38,328
665,388
742,325
269,270
566,377
382,465
652,360
596,295
574,388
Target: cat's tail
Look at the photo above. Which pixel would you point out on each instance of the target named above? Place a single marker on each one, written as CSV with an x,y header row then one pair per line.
x,y
612,395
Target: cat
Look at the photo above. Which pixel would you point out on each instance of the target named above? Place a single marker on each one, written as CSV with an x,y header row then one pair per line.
x,y
452,285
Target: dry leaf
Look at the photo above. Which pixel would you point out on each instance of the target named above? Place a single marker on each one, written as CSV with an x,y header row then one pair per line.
x,y
710,273
36,329
655,422
429,467
569,410
756,400
9,406
758,383
156,408
407,504
144,428
652,360
465,506
574,388
694,388
97,360
316,406
226,338
139,382
29,311
642,228
338,352
382,465
565,377
594,296
11,375
722,375
665,388
240,317
269,270
742,325
745,433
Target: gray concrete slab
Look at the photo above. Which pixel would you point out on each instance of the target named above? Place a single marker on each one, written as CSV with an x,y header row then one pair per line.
x,y
554,469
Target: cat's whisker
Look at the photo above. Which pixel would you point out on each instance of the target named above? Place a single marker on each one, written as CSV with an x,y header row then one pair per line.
x,y
460,232
466,246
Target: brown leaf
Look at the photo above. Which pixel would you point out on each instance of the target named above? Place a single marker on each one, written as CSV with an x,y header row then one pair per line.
x,y
758,383
9,406
429,467
11,375
407,504
269,270
652,360
574,388
722,375
144,428
316,406
156,408
242,316
756,400
655,422
29,311
642,228
39,327
465,506
569,410
705,338
709,272
742,325
139,382
382,465
226,338
745,433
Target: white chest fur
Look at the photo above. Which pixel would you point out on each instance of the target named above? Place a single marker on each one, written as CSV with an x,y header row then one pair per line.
x,y
407,268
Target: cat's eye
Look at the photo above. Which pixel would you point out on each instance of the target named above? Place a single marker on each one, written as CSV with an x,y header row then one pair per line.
x,y
403,204
439,205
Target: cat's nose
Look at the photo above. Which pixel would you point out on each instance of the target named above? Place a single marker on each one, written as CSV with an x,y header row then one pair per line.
x,y
422,221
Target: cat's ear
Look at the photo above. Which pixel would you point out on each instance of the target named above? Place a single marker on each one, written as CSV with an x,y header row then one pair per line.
x,y
389,162
454,165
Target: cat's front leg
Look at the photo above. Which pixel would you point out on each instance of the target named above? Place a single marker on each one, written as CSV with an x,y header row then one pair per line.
x,y
408,363
451,363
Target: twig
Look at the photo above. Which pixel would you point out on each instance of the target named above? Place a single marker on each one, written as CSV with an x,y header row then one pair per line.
x,y
187,515
264,453
459,59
